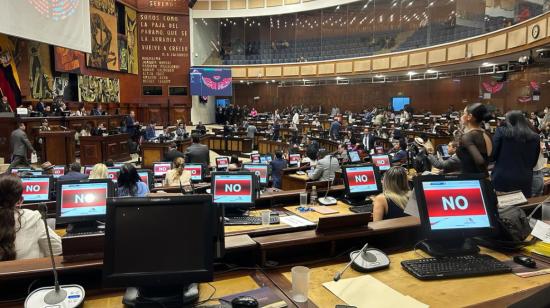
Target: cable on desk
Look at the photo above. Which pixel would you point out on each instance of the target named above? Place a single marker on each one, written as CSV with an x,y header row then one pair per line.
x,y
416,252
210,298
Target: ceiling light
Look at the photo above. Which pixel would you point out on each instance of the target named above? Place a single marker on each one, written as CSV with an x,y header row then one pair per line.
x,y
242,81
411,73
273,81
485,64
431,71
379,76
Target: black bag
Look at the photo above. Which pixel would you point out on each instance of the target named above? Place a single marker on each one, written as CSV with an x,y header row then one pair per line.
x,y
513,228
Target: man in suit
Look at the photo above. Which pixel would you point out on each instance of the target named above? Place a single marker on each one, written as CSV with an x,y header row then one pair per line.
x,y
276,130
277,166
200,127
368,140
20,146
449,165
197,153
397,153
335,129
40,107
73,174
172,153
97,110
5,105
326,168
131,124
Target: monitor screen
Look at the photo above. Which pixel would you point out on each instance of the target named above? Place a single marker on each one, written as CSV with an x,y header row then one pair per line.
x,y
261,171
30,172
112,173
445,150
210,81
88,170
19,170
455,204
233,188
36,189
379,150
58,171
222,162
265,159
354,156
196,171
144,176
255,158
222,102
361,179
185,252
160,169
294,159
382,162
82,199
398,103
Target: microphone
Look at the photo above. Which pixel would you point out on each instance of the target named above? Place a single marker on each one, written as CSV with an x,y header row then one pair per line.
x,y
339,274
57,294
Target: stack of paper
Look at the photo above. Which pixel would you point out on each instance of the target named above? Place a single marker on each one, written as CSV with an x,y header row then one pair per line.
x,y
367,291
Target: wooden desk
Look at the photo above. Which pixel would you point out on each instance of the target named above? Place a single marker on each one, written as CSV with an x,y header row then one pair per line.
x,y
341,207
58,147
95,149
294,181
485,291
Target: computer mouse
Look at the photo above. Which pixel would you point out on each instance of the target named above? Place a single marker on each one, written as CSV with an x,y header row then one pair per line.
x,y
525,261
244,302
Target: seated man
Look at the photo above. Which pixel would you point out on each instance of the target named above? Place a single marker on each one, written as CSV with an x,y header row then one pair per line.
x,y
74,173
449,165
197,153
172,153
397,154
150,133
325,168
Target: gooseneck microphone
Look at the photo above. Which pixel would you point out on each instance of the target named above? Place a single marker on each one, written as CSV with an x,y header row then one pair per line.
x,y
339,274
61,296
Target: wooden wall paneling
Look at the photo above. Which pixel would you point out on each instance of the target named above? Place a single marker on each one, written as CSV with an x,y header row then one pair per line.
x,y
154,113
218,5
238,72
437,55
344,67
541,26
202,5
270,3
291,70
457,52
254,4
399,61
255,72
306,70
381,64
496,43
291,2
237,4
325,68
477,48
361,65
517,37
418,58
273,71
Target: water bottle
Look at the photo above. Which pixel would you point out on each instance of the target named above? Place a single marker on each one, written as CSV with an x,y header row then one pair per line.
x,y
313,196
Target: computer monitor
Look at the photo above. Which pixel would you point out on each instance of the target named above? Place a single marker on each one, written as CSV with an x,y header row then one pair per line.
x,y
81,203
161,245
382,162
30,172
361,181
236,191
88,170
36,188
294,160
354,156
197,172
113,173
146,176
261,171
160,169
379,150
222,163
265,159
20,170
255,158
398,103
58,171
453,208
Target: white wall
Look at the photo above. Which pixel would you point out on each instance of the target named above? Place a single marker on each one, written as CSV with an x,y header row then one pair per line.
x,y
203,112
203,35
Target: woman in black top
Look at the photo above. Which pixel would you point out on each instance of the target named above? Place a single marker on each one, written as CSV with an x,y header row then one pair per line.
x,y
516,151
392,201
475,144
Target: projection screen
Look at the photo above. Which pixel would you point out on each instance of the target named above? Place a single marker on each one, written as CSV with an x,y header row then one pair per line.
x,y
64,23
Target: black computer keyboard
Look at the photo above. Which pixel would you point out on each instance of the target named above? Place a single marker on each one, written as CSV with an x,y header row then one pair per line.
x,y
454,267
250,220
86,233
362,208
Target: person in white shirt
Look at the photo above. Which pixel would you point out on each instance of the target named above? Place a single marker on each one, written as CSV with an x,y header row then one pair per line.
x,y
296,119
22,231
538,174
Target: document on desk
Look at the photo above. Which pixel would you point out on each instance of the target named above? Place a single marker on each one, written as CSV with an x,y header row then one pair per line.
x,y
352,292
295,221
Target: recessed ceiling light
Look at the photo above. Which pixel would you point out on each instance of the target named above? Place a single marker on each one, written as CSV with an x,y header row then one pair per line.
x,y
411,73
379,76
431,71
487,64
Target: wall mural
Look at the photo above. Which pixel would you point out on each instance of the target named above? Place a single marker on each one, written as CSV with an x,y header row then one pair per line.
x,y
98,89
104,40
68,60
107,6
131,39
122,54
40,74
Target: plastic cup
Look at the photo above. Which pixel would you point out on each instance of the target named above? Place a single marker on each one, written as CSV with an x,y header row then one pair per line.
x,y
266,215
300,283
303,199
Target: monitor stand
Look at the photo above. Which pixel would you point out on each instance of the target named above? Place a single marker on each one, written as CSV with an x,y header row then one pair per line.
x,y
179,297
449,247
361,201
84,227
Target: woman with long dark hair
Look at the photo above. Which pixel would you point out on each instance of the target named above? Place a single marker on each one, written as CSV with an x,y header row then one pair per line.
x,y
129,183
475,143
516,151
22,231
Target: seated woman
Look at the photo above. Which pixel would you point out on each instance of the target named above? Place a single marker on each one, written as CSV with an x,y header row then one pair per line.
x,y
22,231
130,184
392,201
177,176
99,171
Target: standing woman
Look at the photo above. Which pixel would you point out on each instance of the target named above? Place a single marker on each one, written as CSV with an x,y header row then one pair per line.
x,y
475,144
516,151
22,231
